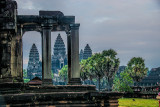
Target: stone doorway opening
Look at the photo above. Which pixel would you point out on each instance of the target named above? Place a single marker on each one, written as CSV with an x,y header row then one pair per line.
x,y
59,58
32,55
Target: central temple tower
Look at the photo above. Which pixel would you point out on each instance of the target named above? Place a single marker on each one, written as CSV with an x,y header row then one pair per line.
x,y
59,57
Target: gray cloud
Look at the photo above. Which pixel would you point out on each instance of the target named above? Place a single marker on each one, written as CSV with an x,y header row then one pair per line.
x,y
131,27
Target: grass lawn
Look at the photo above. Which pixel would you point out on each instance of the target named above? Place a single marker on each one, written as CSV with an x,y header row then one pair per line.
x,y
138,102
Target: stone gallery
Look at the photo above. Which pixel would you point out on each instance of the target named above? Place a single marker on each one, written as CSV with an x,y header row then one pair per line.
x,y
16,93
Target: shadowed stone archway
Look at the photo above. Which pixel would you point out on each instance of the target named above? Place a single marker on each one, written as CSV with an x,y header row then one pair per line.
x,y
12,30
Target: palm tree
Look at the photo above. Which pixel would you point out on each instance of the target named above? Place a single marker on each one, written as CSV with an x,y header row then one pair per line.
x,y
96,64
136,68
111,65
99,65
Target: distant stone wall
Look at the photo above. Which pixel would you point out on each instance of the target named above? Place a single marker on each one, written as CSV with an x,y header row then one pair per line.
x,y
140,95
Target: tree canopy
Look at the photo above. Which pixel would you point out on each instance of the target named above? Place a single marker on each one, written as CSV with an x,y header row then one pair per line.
x,y
123,82
111,65
137,69
63,74
24,73
100,65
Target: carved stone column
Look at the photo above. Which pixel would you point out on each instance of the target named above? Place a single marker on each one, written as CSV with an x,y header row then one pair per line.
x,y
75,70
46,55
5,57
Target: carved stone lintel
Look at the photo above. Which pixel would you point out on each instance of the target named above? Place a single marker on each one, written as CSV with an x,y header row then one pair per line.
x,y
74,26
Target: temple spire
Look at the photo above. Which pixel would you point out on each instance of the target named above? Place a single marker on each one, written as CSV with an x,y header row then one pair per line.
x,y
59,57
34,68
87,52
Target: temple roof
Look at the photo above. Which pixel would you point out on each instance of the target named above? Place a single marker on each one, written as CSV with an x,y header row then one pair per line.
x,y
34,51
59,46
87,52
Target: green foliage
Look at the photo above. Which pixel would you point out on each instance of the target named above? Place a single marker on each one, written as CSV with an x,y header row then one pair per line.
x,y
134,71
100,65
111,53
137,69
24,73
84,70
97,65
111,65
52,75
26,80
123,82
111,62
63,74
138,102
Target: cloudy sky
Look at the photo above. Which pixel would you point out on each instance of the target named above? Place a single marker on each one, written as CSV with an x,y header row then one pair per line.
x,y
131,27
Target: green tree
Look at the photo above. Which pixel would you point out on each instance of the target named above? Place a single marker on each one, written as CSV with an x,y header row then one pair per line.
x,y
24,73
111,53
84,70
123,82
137,69
63,74
97,65
25,80
52,74
111,66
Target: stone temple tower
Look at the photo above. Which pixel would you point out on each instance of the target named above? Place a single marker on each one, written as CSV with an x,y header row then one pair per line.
x,y
87,52
34,68
59,57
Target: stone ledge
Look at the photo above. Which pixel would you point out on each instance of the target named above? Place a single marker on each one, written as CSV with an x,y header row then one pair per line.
x,y
60,88
63,99
59,96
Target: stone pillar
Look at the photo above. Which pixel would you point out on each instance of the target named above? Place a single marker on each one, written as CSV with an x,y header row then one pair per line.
x,y
69,54
75,70
46,55
20,60
17,56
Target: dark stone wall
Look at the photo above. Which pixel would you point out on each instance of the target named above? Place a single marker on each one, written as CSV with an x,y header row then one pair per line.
x,y
10,43
5,55
17,58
